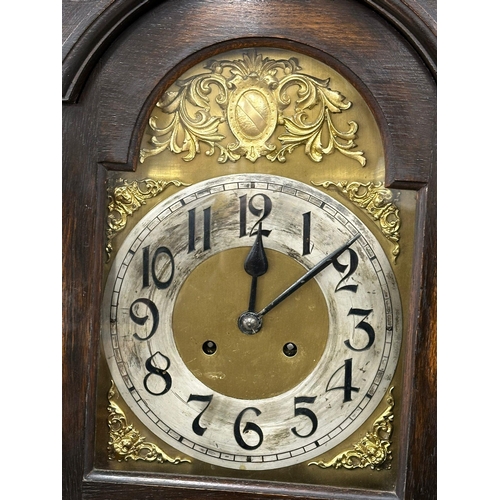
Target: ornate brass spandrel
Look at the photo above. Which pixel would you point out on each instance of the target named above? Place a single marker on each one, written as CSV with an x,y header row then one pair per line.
x,y
377,201
125,441
254,96
124,200
372,450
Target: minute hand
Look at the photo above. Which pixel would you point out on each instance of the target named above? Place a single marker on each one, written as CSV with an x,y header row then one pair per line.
x,y
320,266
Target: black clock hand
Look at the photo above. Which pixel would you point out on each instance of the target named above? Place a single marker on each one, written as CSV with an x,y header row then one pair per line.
x,y
256,265
323,264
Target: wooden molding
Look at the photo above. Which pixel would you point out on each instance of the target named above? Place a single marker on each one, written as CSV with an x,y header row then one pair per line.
x,y
92,29
107,44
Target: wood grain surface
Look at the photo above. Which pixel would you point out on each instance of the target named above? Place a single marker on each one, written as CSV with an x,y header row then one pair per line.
x,y
117,56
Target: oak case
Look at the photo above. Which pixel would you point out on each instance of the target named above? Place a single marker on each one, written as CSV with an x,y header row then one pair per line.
x,y
104,120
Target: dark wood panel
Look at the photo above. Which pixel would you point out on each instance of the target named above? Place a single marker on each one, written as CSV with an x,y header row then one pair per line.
x,y
422,451
102,125
103,486
89,27
82,256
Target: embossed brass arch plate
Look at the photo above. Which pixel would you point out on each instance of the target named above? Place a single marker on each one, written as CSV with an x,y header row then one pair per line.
x,y
254,113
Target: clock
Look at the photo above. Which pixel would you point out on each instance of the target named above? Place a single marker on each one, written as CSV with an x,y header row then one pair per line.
x,y
249,250
252,322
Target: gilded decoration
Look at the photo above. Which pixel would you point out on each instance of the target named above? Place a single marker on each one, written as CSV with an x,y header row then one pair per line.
x,y
125,442
378,202
126,199
372,450
254,96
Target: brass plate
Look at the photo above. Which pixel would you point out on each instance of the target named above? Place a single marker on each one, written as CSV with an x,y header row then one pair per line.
x,y
248,366
334,167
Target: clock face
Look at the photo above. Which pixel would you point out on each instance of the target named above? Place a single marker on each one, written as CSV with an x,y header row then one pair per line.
x,y
251,321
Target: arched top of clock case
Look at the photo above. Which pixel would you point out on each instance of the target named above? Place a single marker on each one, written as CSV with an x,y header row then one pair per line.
x,y
92,28
135,68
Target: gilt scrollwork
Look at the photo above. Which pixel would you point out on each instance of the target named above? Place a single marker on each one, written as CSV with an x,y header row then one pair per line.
x,y
124,200
125,441
253,96
378,202
372,450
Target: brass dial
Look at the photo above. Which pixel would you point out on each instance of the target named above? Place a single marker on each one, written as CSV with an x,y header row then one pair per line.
x,y
313,370
248,366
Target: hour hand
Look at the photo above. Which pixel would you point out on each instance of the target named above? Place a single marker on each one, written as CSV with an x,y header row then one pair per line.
x,y
256,265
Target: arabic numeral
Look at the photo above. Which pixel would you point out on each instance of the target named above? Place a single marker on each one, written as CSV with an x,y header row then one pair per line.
x,y
192,229
348,388
162,265
259,211
362,325
142,319
249,427
197,428
306,412
341,268
306,233
158,381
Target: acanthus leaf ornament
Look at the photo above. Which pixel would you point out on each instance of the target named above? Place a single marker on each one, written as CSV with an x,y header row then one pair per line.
x,y
377,201
125,441
124,200
372,450
252,95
